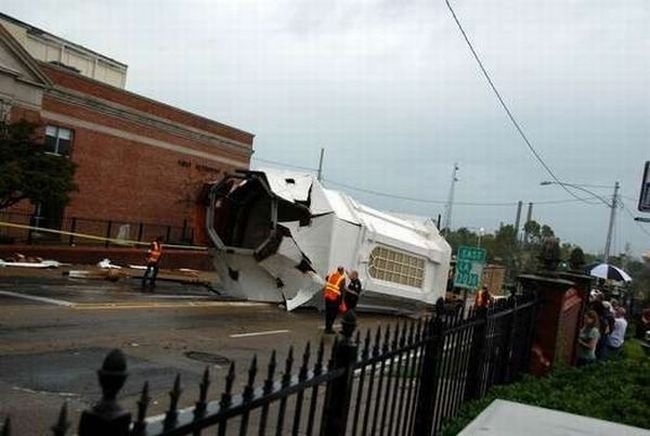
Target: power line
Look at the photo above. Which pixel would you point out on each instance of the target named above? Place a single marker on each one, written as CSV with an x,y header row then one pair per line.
x,y
639,225
416,199
505,106
429,201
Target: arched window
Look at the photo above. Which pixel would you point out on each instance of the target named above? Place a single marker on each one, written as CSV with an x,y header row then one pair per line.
x,y
396,267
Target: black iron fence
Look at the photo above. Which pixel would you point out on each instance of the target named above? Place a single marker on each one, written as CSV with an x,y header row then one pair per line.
x,y
102,232
404,379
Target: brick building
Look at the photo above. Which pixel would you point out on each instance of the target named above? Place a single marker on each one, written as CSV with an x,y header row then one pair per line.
x,y
139,160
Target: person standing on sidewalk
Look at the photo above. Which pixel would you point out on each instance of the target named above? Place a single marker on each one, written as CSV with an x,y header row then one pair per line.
x,y
616,338
352,291
153,260
333,290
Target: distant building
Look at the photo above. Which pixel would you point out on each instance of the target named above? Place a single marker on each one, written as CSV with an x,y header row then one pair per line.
x,y
139,160
45,47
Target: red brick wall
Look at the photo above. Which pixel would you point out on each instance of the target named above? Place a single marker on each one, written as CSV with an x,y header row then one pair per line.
x,y
71,80
122,179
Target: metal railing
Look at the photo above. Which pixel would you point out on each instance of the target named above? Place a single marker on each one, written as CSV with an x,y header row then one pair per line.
x,y
405,379
104,232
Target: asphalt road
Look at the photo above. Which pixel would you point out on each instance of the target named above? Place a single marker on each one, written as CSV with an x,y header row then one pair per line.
x,y
55,332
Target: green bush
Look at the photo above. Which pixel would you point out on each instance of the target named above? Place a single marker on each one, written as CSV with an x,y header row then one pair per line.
x,y
617,391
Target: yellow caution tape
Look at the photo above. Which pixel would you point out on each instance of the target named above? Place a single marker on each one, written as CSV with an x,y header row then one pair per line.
x,y
98,238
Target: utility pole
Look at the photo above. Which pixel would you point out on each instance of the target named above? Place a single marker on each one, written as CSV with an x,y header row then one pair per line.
x,y
320,165
612,218
529,218
450,199
520,204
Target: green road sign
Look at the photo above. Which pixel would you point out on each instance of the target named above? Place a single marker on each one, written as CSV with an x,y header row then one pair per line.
x,y
469,267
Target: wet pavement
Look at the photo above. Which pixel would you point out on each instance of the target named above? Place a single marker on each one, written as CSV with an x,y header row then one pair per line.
x,y
55,332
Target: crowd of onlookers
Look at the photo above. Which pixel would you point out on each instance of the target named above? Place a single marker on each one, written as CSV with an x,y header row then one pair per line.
x,y
603,332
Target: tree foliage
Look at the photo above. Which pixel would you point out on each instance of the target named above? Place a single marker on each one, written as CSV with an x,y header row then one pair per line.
x,y
27,172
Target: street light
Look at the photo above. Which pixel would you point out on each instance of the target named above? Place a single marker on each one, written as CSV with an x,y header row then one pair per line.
x,y
611,205
480,234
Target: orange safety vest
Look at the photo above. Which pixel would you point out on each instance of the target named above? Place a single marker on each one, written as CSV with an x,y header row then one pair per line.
x,y
154,252
482,299
333,286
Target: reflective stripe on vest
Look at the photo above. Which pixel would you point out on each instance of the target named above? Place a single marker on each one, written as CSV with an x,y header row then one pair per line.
x,y
155,252
333,286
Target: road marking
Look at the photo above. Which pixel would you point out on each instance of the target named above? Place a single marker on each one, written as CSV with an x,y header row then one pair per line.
x,y
269,332
36,298
163,305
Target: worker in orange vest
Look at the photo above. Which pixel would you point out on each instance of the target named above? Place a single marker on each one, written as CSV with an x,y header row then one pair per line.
x,y
333,290
153,260
483,298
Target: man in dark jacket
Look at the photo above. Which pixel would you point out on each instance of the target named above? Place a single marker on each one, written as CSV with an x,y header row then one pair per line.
x,y
353,291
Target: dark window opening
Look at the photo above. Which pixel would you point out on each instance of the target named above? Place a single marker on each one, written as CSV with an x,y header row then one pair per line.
x,y
58,140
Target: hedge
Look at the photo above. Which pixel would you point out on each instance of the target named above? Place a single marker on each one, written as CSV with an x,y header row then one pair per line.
x,y
617,391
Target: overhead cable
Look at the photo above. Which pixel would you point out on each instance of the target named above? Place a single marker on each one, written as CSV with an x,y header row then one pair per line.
x,y
506,108
429,201
639,225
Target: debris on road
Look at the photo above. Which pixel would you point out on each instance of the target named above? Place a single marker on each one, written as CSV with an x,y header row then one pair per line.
x,y
19,260
107,264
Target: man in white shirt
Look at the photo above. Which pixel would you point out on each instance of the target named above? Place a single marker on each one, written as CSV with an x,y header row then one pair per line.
x,y
616,338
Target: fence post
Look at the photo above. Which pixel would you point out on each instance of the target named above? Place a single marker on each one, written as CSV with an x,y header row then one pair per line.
x,y
140,231
429,375
473,387
508,371
169,234
6,428
107,417
184,234
109,228
73,229
339,390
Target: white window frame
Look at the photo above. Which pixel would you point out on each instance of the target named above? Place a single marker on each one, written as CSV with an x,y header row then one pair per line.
x,y
395,266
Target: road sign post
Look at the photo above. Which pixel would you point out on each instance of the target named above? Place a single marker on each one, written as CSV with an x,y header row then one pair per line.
x,y
469,267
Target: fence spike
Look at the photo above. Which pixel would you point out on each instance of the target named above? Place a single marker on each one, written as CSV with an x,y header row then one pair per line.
x,y
335,346
6,427
365,352
270,374
420,328
249,389
375,346
174,396
62,424
402,338
395,336
286,377
411,334
318,366
202,403
384,347
143,405
226,396
357,337
304,368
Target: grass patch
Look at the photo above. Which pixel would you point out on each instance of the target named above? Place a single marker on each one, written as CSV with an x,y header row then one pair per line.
x,y
632,349
617,391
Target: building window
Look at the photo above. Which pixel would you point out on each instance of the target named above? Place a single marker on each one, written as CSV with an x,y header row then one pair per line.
x,y
396,267
58,140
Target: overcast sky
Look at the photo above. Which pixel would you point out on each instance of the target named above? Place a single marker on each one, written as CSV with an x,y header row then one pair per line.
x,y
391,91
